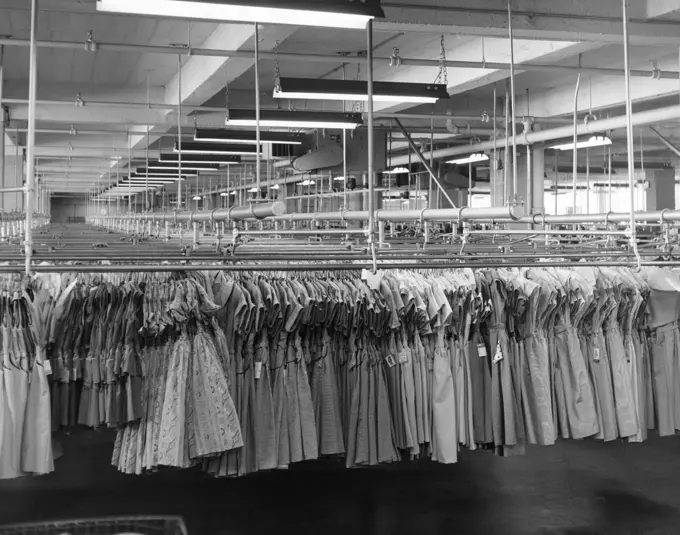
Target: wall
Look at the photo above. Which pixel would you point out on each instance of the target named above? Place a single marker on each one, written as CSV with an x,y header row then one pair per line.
x,y
62,209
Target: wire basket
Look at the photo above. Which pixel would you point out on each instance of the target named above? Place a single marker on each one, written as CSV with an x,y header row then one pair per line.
x,y
128,525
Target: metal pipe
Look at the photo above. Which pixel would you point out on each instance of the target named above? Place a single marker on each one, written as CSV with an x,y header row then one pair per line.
x,y
629,131
512,97
2,129
609,217
371,140
430,214
541,136
302,232
346,266
32,96
179,136
257,109
665,141
422,159
575,141
530,183
237,213
329,58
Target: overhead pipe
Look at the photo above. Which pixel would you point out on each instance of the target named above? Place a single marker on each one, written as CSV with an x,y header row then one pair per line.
x,y
371,140
542,136
513,213
235,213
329,58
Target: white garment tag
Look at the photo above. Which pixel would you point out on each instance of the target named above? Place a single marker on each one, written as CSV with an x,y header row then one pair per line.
x,y
481,350
403,357
596,356
389,359
48,367
258,370
499,354
372,280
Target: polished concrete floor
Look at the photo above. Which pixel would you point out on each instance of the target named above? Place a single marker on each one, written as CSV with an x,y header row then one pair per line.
x,y
574,488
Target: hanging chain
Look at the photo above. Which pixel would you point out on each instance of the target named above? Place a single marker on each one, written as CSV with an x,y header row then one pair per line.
x,y
277,68
443,75
358,105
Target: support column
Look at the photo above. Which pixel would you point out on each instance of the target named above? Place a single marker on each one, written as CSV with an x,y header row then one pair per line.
x,y
661,192
531,164
2,130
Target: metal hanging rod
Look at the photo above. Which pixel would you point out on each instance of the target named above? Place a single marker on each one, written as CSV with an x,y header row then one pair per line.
x,y
415,265
327,58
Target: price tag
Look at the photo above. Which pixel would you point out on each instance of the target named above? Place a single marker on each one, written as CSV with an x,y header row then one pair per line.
x,y
258,370
499,354
372,280
48,367
596,356
389,359
481,351
403,357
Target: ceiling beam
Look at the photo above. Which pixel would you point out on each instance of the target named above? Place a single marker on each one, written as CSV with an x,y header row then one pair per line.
x,y
662,8
577,20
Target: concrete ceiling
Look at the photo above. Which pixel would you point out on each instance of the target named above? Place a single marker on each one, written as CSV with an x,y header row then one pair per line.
x,y
555,33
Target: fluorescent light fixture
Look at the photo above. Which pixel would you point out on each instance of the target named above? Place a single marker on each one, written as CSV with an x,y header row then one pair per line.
x,y
224,194
189,148
199,158
339,178
170,171
232,192
333,14
275,186
252,190
594,141
247,137
197,198
306,183
325,89
396,171
171,174
168,167
473,158
295,119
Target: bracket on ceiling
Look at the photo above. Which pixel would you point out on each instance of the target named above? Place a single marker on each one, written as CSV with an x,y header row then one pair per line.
x,y
90,44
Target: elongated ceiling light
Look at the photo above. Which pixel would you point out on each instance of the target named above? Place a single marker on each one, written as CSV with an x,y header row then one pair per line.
x,y
395,171
275,186
306,183
174,166
294,119
253,190
154,173
199,158
329,14
473,158
190,148
246,137
594,141
325,89
170,175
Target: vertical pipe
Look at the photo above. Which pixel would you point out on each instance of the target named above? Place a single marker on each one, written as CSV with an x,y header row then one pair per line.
x,y
512,96
371,141
530,183
556,163
609,172
575,153
494,167
429,195
587,181
32,92
179,134
506,155
17,168
629,130
2,130
257,108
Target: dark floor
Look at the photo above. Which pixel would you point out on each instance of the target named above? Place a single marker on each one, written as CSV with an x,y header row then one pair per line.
x,y
574,488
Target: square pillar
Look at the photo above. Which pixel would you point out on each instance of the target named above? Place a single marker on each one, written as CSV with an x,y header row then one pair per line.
x,y
661,192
